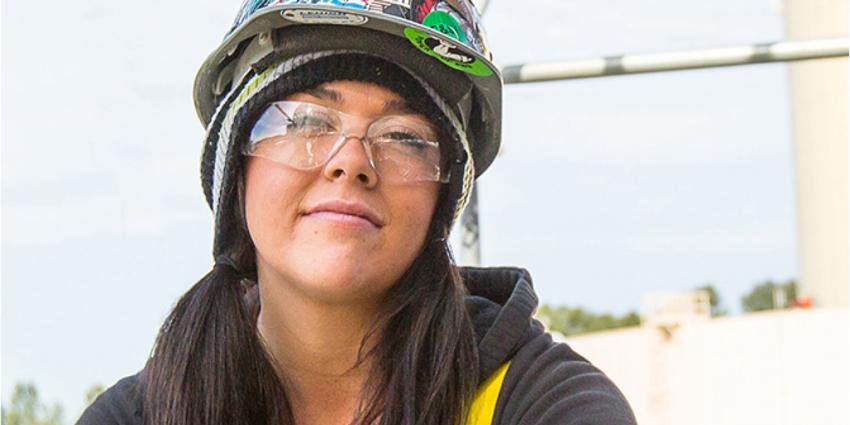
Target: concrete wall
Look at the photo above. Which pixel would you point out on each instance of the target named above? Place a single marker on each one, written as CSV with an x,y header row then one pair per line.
x,y
775,368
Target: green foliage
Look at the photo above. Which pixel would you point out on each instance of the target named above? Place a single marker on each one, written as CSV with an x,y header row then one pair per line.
x,y
764,296
717,308
93,392
26,409
574,321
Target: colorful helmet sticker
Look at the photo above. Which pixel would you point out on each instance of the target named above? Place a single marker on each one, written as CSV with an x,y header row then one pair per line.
x,y
457,19
248,8
447,53
399,8
446,24
471,38
421,9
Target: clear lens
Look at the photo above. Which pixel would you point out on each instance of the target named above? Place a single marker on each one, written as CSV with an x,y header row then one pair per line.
x,y
297,134
304,136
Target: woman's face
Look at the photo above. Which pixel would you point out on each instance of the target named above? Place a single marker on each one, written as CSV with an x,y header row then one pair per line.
x,y
302,222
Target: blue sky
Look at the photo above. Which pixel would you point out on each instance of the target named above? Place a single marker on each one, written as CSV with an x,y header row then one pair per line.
x,y
606,189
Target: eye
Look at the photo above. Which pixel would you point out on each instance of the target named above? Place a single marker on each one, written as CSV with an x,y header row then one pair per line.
x,y
414,145
396,132
311,123
401,136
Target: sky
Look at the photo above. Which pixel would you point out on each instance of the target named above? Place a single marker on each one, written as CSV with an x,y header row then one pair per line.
x,y
607,189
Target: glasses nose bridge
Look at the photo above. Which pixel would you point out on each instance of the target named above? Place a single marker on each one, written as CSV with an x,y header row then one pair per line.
x,y
344,137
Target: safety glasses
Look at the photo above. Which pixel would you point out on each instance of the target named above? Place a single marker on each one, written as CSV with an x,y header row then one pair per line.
x,y
304,136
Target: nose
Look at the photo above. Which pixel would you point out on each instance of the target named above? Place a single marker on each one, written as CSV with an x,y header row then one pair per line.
x,y
351,162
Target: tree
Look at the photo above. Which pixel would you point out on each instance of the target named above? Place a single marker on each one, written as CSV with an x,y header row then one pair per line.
x,y
25,408
765,296
717,308
93,392
573,321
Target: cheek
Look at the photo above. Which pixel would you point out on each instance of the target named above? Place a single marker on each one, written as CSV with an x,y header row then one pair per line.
x,y
271,199
415,212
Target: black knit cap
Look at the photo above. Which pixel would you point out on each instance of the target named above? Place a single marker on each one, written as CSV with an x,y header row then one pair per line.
x,y
231,238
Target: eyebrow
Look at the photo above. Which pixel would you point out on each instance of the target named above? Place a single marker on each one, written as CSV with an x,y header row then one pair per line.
x,y
391,107
398,107
324,94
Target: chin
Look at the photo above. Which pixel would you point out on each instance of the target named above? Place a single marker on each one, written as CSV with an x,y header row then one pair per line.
x,y
338,271
340,288
337,280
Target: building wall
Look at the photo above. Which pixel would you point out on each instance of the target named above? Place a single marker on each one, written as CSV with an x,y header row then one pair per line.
x,y
773,368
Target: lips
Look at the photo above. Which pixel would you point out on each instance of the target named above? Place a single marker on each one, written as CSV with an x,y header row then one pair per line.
x,y
348,208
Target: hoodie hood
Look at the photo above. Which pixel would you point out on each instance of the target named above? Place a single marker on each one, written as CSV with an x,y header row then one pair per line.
x,y
501,303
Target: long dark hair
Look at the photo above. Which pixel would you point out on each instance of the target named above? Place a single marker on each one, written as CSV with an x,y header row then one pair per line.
x,y
209,365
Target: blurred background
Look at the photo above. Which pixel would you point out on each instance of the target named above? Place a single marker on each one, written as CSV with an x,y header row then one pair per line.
x,y
686,231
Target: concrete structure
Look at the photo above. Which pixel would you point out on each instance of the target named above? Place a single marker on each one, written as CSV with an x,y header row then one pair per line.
x,y
819,98
670,310
783,367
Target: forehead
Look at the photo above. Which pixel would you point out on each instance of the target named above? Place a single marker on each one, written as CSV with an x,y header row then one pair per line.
x,y
356,97
360,89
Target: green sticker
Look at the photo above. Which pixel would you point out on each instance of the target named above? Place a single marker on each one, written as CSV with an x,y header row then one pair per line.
x,y
447,54
444,23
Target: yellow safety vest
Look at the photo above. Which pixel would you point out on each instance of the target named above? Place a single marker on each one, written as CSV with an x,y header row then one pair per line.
x,y
484,404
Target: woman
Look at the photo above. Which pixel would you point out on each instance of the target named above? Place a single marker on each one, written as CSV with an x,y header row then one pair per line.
x,y
342,144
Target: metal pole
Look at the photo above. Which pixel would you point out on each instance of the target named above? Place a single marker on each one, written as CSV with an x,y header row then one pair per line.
x,y
643,63
676,60
470,244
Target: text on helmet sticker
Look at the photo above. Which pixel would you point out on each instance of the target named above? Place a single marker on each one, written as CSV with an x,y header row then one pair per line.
x,y
320,16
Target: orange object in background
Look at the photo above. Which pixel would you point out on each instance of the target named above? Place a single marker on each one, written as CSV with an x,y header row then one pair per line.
x,y
803,302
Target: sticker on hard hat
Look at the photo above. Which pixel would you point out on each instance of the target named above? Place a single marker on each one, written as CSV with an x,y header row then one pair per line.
x,y
319,16
446,24
447,53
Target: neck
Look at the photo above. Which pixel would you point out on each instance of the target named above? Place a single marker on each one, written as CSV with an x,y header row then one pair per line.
x,y
315,347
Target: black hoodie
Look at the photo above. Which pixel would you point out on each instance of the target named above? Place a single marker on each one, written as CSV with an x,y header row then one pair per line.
x,y
546,383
